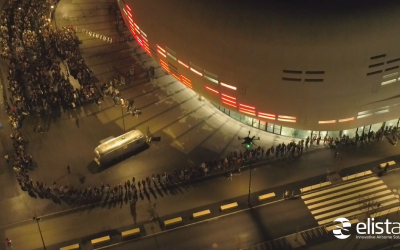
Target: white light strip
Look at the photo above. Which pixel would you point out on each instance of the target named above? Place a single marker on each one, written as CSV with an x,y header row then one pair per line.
x,y
388,82
382,111
390,75
143,33
211,79
195,71
364,112
173,57
363,116
228,86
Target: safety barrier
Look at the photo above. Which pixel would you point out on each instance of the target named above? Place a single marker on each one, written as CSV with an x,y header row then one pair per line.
x,y
390,163
313,187
100,240
71,247
353,176
130,232
266,196
172,221
201,213
229,206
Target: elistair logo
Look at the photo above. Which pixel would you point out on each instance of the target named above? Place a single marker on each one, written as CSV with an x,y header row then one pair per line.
x,y
370,229
338,232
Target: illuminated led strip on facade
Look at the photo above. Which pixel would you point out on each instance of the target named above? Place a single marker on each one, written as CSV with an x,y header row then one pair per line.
x,y
212,90
228,86
177,77
285,118
211,79
247,109
161,51
183,64
186,81
346,119
195,71
164,65
266,116
137,33
228,100
327,122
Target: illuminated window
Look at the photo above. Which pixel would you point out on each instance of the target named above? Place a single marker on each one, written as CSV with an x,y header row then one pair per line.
x,y
212,90
285,118
389,82
228,86
327,122
390,75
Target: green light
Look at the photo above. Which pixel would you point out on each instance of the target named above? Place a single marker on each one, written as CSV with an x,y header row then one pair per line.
x,y
247,145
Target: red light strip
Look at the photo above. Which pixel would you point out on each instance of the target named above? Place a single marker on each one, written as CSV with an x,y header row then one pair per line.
x,y
242,105
129,13
229,104
266,116
197,72
347,119
164,65
186,81
213,90
177,77
248,110
230,97
128,7
184,65
228,100
327,122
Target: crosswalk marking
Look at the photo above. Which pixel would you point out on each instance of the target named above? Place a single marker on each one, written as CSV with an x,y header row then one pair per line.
x,y
348,203
347,208
349,200
373,190
339,187
343,192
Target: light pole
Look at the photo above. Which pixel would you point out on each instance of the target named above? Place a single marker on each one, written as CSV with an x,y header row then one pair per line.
x,y
248,198
37,219
122,114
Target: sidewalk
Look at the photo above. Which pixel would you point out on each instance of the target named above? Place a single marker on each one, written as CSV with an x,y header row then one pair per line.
x,y
277,178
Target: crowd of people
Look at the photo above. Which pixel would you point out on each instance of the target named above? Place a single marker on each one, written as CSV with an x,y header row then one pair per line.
x,y
35,51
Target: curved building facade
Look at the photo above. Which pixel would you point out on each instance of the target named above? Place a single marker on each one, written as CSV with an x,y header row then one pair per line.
x,y
300,65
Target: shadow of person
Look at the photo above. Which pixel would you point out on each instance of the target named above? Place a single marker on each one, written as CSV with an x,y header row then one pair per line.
x,y
77,122
133,211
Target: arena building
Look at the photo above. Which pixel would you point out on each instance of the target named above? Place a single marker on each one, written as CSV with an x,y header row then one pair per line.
x,y
294,68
